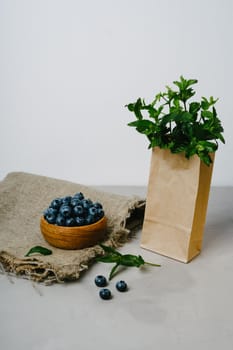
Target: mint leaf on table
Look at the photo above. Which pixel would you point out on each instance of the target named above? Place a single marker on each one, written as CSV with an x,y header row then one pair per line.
x,y
39,250
127,260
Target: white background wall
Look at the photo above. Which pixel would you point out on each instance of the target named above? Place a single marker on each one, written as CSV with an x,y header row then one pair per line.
x,y
68,67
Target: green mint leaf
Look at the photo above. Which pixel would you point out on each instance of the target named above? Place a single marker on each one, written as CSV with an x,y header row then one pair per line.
x,y
142,125
158,98
205,103
179,84
176,103
130,107
39,250
109,249
194,107
113,271
137,109
131,260
192,82
183,117
108,258
221,138
207,114
205,158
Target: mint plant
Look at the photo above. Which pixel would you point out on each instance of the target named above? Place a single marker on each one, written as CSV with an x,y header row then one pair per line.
x,y
178,124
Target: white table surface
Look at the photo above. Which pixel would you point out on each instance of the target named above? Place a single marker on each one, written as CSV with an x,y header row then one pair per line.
x,y
176,306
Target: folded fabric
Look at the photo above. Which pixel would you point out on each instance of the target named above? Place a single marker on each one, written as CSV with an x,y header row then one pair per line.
x,y
24,197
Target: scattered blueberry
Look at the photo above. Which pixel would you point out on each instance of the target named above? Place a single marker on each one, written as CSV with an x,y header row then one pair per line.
x,y
100,281
121,286
105,294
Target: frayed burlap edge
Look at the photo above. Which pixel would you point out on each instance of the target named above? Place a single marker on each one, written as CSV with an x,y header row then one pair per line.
x,y
37,270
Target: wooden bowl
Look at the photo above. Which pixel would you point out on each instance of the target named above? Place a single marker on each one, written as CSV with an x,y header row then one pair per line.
x,y
76,237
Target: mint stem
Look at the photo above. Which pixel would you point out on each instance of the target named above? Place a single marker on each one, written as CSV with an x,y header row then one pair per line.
x,y
147,263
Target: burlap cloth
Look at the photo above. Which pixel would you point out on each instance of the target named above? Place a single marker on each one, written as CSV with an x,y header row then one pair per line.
x,y
24,197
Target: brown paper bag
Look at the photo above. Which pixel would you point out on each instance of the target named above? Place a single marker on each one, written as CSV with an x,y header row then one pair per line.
x,y
177,199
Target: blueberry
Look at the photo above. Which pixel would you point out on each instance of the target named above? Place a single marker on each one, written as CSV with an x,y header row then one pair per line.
x,y
79,195
121,286
79,221
56,203
65,210
66,200
51,218
46,212
98,205
51,211
105,293
75,201
92,211
89,220
100,213
78,210
60,221
70,222
89,201
85,203
100,281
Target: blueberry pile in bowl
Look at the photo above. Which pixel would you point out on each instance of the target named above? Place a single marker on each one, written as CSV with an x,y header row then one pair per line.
x,y
73,222
73,211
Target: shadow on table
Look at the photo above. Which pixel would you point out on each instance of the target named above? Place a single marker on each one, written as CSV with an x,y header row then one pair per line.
x,y
219,223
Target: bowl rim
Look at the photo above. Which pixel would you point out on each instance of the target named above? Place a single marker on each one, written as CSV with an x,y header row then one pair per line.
x,y
74,228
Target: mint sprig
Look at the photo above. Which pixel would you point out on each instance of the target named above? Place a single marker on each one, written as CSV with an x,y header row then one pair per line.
x,y
128,260
178,124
